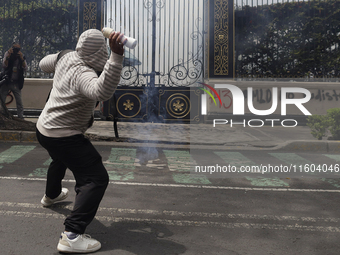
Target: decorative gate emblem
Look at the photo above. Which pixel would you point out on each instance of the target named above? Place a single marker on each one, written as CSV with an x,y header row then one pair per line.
x,y
128,105
178,106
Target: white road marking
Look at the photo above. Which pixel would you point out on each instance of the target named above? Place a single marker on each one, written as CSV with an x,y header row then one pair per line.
x,y
183,223
187,186
183,214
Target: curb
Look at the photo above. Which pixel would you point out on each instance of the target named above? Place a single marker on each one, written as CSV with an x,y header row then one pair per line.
x,y
301,146
17,136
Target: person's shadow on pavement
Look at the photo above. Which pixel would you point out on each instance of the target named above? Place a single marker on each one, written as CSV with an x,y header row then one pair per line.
x,y
141,238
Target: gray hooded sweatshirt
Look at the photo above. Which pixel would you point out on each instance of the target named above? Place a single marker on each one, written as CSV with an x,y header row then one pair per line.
x,y
76,86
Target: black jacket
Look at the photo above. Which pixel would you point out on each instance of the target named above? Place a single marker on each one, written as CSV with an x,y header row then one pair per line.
x,y
9,69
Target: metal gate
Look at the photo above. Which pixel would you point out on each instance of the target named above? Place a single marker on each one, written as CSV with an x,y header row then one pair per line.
x,y
157,74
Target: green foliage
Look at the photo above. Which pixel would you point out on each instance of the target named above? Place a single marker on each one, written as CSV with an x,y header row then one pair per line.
x,y
292,39
334,116
41,27
320,124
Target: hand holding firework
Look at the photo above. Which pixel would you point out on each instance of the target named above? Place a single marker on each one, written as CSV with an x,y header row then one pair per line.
x,y
127,41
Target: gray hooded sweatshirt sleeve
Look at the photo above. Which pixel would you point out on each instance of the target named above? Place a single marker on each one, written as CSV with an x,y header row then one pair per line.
x,y
76,86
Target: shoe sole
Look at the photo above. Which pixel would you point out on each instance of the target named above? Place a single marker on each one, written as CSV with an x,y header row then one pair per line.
x,y
45,204
66,249
49,204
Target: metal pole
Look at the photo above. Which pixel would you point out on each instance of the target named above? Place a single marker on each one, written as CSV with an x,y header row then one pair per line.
x,y
153,71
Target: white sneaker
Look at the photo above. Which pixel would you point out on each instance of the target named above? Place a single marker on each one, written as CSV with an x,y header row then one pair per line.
x,y
46,201
80,244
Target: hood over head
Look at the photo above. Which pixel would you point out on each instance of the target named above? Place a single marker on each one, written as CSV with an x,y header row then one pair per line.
x,y
91,48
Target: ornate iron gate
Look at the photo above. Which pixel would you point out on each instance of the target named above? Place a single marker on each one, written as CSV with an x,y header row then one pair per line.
x,y
157,74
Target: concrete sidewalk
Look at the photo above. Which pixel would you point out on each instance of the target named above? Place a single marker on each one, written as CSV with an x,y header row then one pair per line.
x,y
220,137
132,134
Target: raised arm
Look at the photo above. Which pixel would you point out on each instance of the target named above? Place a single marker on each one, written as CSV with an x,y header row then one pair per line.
x,y
48,63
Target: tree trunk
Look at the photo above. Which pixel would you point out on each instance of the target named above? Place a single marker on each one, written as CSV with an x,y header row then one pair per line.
x,y
9,122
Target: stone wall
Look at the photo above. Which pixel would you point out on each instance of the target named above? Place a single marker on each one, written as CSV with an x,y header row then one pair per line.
x,y
325,95
34,93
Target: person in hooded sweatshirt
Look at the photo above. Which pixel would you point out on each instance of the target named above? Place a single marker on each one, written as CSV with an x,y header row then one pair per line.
x,y
67,114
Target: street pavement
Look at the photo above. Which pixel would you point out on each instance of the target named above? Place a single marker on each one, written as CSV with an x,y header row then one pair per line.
x,y
154,205
175,135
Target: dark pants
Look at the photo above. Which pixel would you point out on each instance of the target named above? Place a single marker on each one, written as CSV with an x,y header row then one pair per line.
x,y
79,155
14,87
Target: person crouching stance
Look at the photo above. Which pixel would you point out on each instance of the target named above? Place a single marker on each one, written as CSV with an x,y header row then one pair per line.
x,y
66,116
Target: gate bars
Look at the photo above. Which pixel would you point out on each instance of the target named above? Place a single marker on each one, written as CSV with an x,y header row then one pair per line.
x,y
170,36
